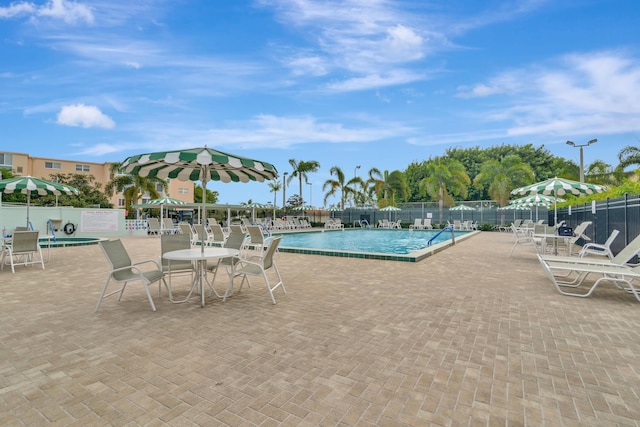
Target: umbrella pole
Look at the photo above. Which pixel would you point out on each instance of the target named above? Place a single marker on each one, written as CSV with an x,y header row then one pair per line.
x,y
28,203
204,213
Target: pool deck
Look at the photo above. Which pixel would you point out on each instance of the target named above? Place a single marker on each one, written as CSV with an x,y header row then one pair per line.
x,y
465,337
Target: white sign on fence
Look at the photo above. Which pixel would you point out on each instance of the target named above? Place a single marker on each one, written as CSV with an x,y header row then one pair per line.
x,y
98,221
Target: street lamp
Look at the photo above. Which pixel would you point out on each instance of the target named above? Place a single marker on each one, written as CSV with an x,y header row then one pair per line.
x,y
573,144
284,190
355,171
310,193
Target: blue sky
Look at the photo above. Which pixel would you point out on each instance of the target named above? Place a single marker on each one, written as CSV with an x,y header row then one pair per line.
x,y
376,83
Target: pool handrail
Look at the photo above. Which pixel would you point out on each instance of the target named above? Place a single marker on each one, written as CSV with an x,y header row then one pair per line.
x,y
447,228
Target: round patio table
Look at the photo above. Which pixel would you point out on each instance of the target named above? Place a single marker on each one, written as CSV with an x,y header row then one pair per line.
x,y
200,257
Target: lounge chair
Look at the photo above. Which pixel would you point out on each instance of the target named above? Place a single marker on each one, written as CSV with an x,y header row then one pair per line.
x,y
603,249
522,237
256,240
623,257
417,224
124,271
168,227
153,226
260,266
427,224
23,249
621,276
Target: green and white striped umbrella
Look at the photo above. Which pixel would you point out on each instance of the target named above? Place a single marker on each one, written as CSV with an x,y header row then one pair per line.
x,y
162,202
462,208
559,187
254,206
29,185
535,200
199,164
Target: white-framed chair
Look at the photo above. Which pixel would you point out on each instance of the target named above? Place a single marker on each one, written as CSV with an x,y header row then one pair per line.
x,y
153,226
257,239
602,249
123,270
417,224
426,224
259,266
175,242
217,237
23,249
235,240
168,227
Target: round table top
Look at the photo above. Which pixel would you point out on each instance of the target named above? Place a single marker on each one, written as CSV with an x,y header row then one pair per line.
x,y
197,253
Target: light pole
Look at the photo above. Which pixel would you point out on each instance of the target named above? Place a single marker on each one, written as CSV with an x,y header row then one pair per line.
x,y
355,171
284,190
573,144
310,193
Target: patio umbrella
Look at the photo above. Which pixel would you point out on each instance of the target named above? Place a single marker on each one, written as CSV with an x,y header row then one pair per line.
x,y
516,207
29,185
333,209
162,201
303,208
390,209
462,208
536,200
199,164
558,187
255,206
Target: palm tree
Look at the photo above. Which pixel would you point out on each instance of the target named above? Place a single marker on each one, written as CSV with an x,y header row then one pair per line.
x,y
133,187
275,186
444,176
338,185
301,169
628,156
391,189
503,176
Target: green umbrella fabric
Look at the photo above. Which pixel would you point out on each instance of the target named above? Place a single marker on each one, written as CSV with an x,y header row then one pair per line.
x,y
199,164
390,209
559,187
29,185
536,199
162,202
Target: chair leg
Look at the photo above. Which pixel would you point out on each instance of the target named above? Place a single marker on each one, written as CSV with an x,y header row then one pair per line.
x,y
146,288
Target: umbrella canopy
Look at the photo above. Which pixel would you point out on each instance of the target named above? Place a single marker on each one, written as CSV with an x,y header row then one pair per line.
x,y
162,202
536,200
390,209
255,206
199,164
462,208
29,185
558,187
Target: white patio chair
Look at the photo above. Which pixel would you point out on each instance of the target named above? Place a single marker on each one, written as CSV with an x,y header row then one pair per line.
x,y
124,271
427,224
168,226
22,250
260,266
153,226
417,224
174,242
603,249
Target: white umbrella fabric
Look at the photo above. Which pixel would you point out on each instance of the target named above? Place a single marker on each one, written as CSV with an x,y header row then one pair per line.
x,y
199,164
558,187
255,206
29,185
390,209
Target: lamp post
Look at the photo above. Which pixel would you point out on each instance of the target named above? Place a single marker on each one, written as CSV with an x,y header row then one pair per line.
x,y
573,144
355,171
284,190
310,193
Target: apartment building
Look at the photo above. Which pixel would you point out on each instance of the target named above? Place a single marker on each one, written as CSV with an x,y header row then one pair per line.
x,y
42,167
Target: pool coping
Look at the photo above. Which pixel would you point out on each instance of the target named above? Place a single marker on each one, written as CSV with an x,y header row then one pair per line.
x,y
415,256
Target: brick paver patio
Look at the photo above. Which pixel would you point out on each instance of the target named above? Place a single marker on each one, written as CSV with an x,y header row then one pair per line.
x,y
466,337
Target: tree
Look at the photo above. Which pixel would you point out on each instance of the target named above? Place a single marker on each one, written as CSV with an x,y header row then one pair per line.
x,y
274,187
301,169
503,176
212,196
90,192
333,186
444,176
133,187
628,156
392,188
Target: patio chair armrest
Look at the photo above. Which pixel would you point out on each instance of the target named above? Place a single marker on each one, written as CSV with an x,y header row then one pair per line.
x,y
135,264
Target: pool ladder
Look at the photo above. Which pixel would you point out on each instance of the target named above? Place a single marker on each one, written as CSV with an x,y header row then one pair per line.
x,y
364,223
447,228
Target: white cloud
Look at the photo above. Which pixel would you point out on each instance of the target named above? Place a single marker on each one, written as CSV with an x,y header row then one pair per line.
x,y
68,11
577,94
86,116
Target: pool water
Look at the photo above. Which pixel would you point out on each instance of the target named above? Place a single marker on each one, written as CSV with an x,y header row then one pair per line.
x,y
367,240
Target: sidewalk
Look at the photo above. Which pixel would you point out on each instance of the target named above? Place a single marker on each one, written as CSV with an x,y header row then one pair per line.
x,y
465,337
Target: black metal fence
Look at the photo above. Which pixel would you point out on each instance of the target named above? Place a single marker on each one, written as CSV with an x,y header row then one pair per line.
x,y
621,214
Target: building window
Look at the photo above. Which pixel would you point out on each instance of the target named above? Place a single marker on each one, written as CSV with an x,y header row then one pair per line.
x,y
121,203
19,169
6,161
52,165
183,191
83,168
159,188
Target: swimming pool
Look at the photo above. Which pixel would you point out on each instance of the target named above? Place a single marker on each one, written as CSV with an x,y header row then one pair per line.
x,y
395,245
